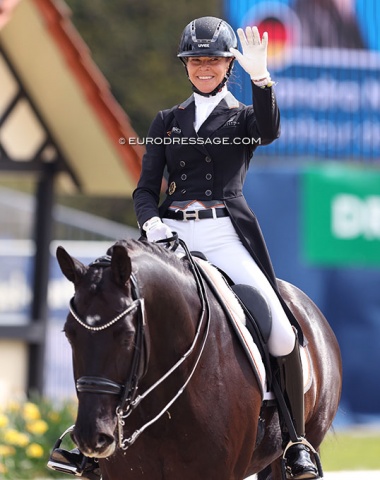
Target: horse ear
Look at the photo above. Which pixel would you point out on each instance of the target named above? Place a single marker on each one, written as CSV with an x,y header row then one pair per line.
x,y
120,265
71,268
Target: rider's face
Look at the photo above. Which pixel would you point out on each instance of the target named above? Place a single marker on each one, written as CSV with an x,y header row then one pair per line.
x,y
206,73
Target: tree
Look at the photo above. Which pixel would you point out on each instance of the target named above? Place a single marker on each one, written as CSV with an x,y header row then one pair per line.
x,y
134,43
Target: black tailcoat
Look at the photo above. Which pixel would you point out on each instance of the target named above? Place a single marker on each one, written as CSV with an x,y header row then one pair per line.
x,y
210,164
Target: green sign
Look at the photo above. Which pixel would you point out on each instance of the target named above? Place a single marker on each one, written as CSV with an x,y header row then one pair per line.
x,y
341,215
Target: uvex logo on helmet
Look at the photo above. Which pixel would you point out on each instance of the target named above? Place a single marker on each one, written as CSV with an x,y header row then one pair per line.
x,y
203,45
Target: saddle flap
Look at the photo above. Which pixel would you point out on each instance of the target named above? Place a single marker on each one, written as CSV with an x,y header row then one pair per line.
x,y
257,307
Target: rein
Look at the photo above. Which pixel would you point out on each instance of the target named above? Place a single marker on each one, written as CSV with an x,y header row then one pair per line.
x,y
129,400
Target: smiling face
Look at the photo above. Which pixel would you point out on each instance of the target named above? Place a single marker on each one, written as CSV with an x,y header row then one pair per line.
x,y
206,73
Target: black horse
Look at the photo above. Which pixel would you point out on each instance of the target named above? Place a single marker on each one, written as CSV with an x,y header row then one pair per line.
x,y
165,390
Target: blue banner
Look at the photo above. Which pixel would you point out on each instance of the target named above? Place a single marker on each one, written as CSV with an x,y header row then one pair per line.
x,y
16,279
325,59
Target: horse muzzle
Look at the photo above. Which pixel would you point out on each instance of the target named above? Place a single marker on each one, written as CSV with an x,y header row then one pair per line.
x,y
96,438
94,441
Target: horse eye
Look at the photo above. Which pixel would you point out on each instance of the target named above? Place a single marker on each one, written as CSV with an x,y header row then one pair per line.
x,y
128,340
125,337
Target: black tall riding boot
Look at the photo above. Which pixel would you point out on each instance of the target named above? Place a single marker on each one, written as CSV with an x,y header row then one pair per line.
x,y
299,464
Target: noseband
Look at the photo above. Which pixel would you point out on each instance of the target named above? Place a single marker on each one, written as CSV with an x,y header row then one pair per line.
x,y
127,393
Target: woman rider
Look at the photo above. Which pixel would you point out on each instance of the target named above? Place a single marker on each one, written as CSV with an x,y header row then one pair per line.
x,y
203,145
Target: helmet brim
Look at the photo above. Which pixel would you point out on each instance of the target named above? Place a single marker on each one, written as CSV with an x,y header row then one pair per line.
x,y
205,54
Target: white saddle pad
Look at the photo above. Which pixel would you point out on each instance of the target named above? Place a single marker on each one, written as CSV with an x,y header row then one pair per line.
x,y
238,323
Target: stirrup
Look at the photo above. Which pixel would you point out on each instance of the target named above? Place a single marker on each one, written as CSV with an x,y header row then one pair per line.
x,y
301,441
60,462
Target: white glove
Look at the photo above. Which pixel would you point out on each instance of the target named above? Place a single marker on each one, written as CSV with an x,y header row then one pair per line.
x,y
254,56
156,230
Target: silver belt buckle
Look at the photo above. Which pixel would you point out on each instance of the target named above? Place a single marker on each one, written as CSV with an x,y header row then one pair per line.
x,y
194,215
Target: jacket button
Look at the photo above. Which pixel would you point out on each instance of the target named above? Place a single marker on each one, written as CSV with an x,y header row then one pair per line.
x,y
208,176
183,191
208,192
182,163
183,176
208,159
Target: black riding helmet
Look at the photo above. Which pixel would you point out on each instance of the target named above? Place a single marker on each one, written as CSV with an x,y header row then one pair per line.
x,y
207,37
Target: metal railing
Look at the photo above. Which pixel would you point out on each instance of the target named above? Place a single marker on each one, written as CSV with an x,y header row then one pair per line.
x,y
17,216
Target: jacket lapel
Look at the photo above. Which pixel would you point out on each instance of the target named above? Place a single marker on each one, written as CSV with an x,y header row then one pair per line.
x,y
185,115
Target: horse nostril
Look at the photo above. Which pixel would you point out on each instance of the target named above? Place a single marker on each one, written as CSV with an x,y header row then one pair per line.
x,y
98,444
104,441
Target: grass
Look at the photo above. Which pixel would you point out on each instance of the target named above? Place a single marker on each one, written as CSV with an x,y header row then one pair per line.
x,y
351,450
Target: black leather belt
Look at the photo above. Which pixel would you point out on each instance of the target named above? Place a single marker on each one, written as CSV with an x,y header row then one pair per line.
x,y
196,214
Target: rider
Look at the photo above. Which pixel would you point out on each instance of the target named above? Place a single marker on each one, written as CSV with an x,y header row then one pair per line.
x,y
203,145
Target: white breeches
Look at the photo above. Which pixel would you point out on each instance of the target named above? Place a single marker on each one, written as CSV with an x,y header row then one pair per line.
x,y
218,240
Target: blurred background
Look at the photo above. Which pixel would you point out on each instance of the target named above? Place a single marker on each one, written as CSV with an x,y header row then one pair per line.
x,y
80,78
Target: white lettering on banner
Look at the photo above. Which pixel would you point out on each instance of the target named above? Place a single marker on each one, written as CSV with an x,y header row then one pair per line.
x,y
320,94
352,217
330,135
16,293
59,293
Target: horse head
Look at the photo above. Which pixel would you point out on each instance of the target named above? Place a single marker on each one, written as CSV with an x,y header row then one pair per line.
x,y
105,331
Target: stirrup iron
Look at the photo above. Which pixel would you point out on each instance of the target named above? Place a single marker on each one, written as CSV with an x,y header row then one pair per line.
x,y
315,454
58,466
